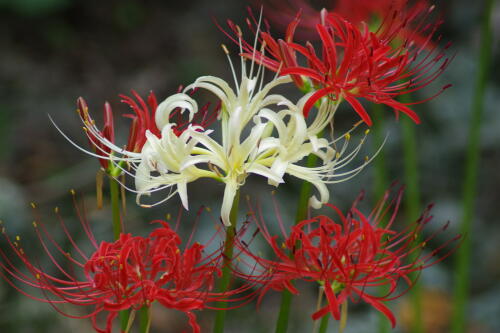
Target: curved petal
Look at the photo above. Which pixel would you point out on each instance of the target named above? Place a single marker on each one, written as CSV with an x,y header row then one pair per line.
x,y
227,201
180,100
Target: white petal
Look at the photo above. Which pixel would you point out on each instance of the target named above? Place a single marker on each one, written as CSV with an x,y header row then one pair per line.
x,y
265,172
182,190
227,201
180,100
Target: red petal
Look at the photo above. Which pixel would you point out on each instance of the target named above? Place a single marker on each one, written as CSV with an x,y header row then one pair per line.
x,y
380,307
360,110
314,98
403,108
332,301
302,71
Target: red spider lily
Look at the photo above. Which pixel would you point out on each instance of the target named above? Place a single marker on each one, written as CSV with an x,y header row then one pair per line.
x,y
143,120
355,62
351,256
371,12
129,273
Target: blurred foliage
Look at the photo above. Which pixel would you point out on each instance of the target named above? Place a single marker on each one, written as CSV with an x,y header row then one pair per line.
x,y
32,8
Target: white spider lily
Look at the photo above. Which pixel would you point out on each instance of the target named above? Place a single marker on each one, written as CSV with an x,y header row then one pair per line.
x,y
261,133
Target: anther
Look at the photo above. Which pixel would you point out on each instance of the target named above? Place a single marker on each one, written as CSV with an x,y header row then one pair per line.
x,y
33,205
224,48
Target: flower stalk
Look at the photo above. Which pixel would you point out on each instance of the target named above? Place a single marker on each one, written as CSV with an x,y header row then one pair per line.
x,y
114,193
126,317
145,319
223,283
302,207
462,263
380,184
412,206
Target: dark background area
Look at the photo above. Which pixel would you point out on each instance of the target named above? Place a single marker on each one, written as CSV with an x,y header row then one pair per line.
x,y
53,51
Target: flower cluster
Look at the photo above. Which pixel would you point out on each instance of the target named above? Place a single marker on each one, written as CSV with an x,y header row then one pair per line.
x,y
255,140
354,62
129,273
351,256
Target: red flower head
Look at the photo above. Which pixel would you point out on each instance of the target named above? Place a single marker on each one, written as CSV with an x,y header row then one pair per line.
x,y
143,120
370,12
129,273
354,62
349,256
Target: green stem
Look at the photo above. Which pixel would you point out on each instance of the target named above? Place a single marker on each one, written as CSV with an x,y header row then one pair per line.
x,y
380,182
305,193
286,301
114,189
380,185
223,283
145,319
114,192
323,326
302,206
462,263
412,206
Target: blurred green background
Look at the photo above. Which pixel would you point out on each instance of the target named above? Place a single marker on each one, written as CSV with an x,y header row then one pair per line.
x,y
53,51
